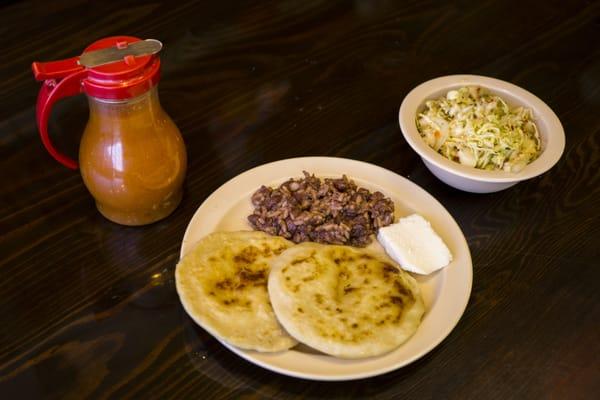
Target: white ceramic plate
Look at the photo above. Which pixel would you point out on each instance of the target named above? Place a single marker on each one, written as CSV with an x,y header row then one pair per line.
x,y
445,292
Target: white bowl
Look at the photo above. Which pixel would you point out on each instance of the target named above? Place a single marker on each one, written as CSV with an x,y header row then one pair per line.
x,y
472,179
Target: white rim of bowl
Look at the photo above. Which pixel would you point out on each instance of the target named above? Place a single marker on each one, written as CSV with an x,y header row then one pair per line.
x,y
554,133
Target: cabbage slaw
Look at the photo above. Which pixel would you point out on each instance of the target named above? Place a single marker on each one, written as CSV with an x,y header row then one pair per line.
x,y
478,129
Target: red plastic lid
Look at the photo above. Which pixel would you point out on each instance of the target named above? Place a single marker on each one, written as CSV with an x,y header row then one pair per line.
x,y
123,79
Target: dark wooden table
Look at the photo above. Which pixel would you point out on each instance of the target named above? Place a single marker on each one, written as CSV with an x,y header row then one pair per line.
x,y
89,309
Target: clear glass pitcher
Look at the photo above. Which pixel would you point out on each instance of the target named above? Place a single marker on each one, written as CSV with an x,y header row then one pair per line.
x,y
132,156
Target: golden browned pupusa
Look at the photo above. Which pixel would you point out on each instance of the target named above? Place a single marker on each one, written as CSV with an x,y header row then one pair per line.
x,y
344,301
222,284
243,271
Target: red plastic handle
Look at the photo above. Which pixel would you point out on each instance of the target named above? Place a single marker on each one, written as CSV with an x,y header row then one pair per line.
x,y
55,69
53,90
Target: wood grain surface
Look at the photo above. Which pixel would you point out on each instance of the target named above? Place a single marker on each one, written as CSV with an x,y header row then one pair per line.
x,y
88,308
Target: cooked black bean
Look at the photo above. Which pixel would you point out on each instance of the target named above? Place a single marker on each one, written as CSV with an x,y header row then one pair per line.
x,y
333,211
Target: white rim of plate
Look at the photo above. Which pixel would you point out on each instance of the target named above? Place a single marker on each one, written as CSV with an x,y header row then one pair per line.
x,y
458,275
550,128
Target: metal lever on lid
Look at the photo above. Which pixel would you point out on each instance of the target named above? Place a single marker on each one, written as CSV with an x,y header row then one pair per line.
x,y
122,51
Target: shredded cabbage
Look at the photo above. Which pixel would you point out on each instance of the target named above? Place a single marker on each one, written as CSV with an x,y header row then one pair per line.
x,y
478,129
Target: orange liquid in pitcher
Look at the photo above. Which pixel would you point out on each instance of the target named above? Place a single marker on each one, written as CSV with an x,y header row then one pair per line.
x,y
133,159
